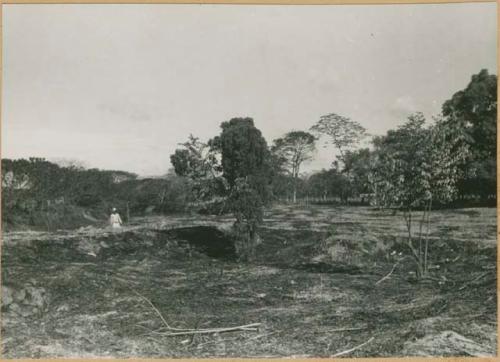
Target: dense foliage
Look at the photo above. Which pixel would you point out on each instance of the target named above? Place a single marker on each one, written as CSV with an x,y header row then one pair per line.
x,y
245,166
473,111
42,194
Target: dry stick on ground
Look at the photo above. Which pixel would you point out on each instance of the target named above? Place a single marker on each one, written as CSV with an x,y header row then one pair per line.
x,y
165,323
353,349
347,329
247,327
392,271
250,327
473,280
155,309
187,331
149,331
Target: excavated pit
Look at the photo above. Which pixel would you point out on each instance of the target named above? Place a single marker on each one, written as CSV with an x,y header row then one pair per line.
x,y
132,244
207,240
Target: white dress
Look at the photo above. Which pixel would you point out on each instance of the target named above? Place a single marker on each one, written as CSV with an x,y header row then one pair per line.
x,y
115,220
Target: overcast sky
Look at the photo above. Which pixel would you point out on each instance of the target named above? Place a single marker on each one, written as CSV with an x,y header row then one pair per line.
x,y
119,86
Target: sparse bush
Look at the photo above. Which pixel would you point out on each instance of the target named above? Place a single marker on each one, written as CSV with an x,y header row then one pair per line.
x,y
416,166
247,206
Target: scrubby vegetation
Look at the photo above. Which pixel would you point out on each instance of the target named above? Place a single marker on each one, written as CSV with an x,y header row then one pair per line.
x,y
38,194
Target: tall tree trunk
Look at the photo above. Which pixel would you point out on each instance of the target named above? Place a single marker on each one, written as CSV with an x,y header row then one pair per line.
x,y
426,251
407,214
295,175
252,243
128,213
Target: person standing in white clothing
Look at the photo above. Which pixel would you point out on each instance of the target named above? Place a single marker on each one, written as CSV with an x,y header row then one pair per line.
x,y
115,220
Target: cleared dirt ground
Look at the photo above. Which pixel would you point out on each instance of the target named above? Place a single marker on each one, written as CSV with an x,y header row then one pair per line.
x,y
85,293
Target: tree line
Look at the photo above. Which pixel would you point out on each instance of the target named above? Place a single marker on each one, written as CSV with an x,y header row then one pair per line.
x,y
470,115
416,166
420,165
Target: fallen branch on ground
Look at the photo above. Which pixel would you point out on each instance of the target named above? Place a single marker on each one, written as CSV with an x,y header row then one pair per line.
x,y
473,280
491,267
347,329
154,309
392,271
353,349
189,331
247,327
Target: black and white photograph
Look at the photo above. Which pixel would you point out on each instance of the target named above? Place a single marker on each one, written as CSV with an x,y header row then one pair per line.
x,y
256,181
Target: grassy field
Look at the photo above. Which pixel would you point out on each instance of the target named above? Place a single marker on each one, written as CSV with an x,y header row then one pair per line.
x,y
315,288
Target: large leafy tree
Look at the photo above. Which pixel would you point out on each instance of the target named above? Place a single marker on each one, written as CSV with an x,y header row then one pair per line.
x,y
245,160
239,160
344,134
340,131
473,111
243,149
294,148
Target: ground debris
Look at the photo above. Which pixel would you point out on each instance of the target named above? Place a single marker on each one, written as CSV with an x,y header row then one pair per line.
x,y
322,267
446,343
320,305
338,354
